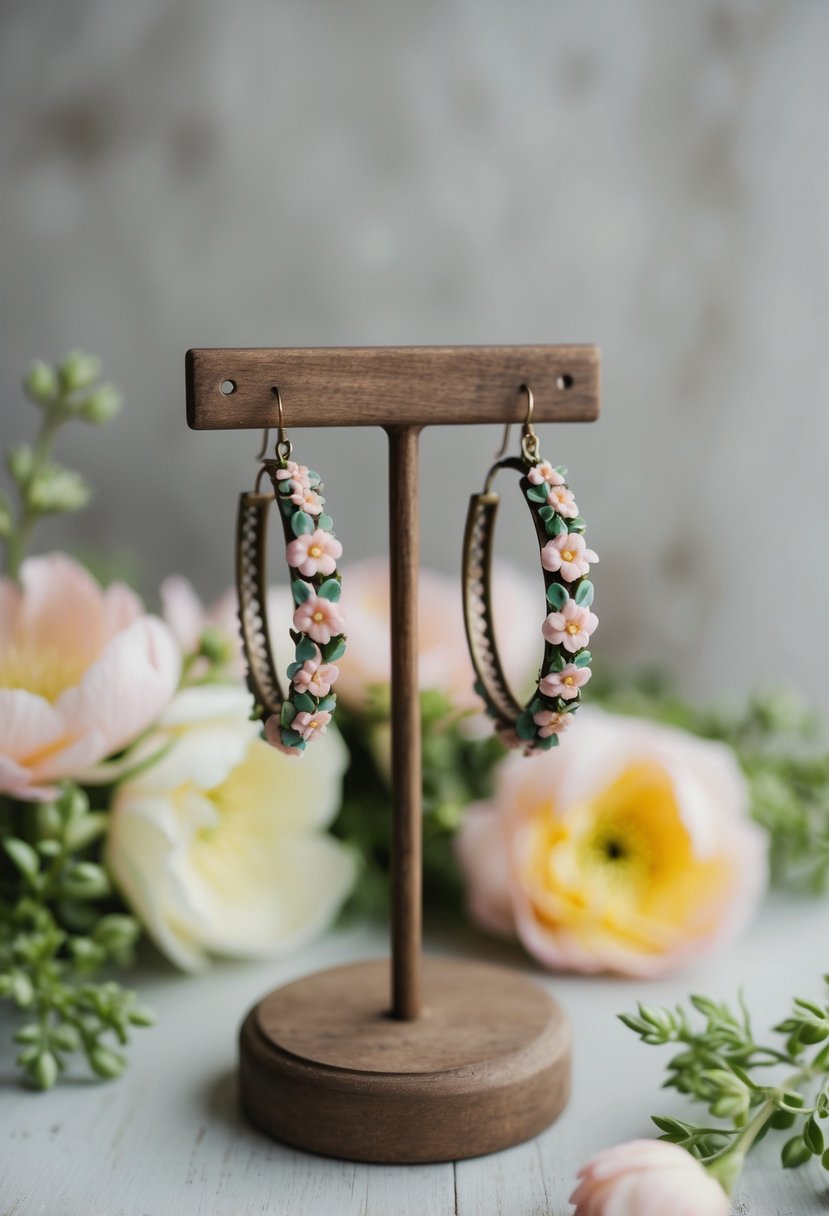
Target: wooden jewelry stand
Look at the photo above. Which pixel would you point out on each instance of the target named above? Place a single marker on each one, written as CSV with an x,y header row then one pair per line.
x,y
463,1058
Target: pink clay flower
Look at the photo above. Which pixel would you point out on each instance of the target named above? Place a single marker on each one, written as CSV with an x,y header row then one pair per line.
x,y
310,501
566,683
561,500
314,553
315,677
544,471
570,628
273,735
311,726
647,1178
567,554
320,618
294,472
551,723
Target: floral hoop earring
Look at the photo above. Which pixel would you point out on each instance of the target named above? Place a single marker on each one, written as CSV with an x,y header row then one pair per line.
x,y
318,634
568,622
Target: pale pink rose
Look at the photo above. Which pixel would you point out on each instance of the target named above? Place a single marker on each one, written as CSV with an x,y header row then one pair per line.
x,y
83,671
443,658
567,554
544,471
320,618
571,627
189,620
647,1178
551,723
294,472
310,501
315,677
629,849
314,553
311,726
561,500
565,683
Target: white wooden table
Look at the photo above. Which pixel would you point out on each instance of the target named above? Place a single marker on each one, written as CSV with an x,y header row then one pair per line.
x,y
168,1139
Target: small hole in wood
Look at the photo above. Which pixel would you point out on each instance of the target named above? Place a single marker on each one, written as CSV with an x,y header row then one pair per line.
x,y
564,381
228,387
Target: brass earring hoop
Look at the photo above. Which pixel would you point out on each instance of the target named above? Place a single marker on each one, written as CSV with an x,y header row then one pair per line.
x,y
312,552
568,622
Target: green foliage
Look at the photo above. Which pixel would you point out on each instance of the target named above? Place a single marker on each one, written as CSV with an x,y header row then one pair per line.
x,y
56,932
779,744
754,1087
42,486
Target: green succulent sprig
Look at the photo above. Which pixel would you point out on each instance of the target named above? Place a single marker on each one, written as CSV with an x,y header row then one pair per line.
x,y
755,1087
56,932
71,389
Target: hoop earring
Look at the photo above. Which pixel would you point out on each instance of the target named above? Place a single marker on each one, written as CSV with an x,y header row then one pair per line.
x,y
568,621
312,552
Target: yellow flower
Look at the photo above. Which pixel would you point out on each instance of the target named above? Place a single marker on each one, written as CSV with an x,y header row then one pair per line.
x,y
627,849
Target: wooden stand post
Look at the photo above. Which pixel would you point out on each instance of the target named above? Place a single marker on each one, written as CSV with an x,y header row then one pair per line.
x,y
474,1058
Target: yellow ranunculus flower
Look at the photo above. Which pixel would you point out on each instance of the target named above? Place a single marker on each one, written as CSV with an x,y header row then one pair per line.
x,y
626,849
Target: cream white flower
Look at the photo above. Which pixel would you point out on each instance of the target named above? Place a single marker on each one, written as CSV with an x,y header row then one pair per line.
x,y
219,846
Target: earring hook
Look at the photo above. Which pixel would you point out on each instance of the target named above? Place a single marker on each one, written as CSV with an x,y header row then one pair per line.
x,y
529,439
284,446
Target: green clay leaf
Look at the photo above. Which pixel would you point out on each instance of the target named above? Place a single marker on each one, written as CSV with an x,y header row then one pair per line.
x,y
546,512
330,590
334,649
557,663
525,727
584,593
557,525
286,714
544,745
286,486
314,479
583,659
535,706
302,523
577,524
305,649
301,590
561,469
286,506
325,522
293,668
304,703
557,596
327,704
292,738
537,494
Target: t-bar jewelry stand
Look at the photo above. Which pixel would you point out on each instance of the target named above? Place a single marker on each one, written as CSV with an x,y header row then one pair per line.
x,y
469,1058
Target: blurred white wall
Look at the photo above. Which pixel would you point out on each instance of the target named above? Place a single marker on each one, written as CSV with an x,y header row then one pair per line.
x,y
650,176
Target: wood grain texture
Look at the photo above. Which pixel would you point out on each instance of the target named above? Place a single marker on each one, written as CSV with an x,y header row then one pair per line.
x,y
383,386
486,1066
407,775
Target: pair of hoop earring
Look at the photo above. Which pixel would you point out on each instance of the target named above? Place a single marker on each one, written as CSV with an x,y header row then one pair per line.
x,y
318,634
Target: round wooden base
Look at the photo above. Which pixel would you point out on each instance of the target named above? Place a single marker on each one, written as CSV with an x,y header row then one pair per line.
x,y
324,1068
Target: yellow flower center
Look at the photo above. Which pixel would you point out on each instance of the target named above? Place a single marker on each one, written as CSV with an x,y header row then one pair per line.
x,y
313,724
315,551
571,628
622,868
41,670
568,555
318,616
569,681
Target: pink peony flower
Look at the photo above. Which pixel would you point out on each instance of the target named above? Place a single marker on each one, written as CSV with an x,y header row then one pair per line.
x,y
83,671
310,501
311,726
570,628
561,500
320,618
315,677
565,683
314,553
551,723
294,472
647,1178
544,471
628,849
567,554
